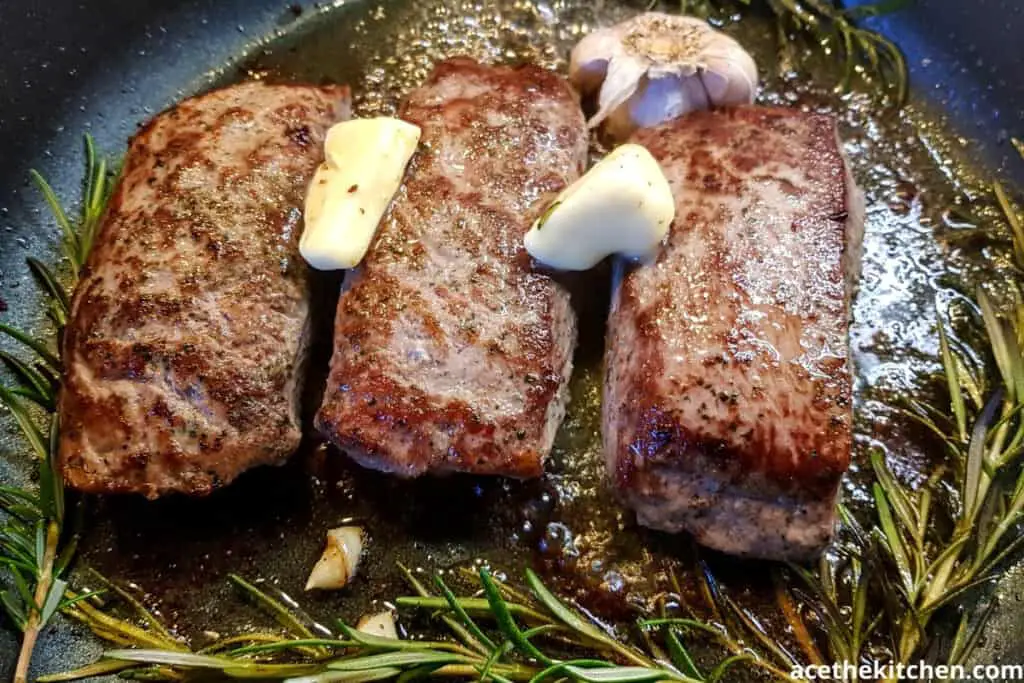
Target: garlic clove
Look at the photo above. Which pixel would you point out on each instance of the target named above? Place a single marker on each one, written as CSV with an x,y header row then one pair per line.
x,y
339,561
658,100
623,205
381,624
657,67
621,82
589,61
730,77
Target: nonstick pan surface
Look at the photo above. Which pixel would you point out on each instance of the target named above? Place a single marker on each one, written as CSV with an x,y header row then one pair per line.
x,y
105,66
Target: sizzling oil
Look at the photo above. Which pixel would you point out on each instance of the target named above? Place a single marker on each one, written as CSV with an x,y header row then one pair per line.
x,y
926,249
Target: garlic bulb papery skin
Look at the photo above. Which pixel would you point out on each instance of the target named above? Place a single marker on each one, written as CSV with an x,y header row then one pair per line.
x,y
656,67
338,564
381,625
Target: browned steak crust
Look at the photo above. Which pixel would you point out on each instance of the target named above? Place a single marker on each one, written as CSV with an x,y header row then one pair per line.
x,y
450,352
727,409
183,349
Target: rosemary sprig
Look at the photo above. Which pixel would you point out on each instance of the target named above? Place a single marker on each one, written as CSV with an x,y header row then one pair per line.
x,y
519,641
930,547
826,25
35,548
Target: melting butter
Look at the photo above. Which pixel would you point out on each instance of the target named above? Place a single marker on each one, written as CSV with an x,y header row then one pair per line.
x,y
365,161
623,205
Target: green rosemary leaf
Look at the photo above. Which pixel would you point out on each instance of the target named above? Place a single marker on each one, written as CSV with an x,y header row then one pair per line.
x,y
951,595
561,667
28,426
966,641
824,606
284,616
472,606
279,645
70,236
894,540
39,347
973,471
452,623
466,620
381,643
397,660
348,676
757,631
418,673
51,485
53,600
905,512
724,666
24,592
1013,217
577,623
497,655
680,657
567,616
49,282
19,546
27,375
118,630
147,617
69,602
1004,346
1012,547
507,623
14,608
66,554
261,672
149,673
622,674
956,397
236,668
683,623
100,668
32,396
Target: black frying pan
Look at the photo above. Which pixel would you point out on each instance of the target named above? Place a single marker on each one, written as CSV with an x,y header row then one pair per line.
x,y
104,66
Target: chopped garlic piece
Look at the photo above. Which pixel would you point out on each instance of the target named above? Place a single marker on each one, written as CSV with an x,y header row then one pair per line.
x,y
656,67
381,624
364,166
338,564
623,205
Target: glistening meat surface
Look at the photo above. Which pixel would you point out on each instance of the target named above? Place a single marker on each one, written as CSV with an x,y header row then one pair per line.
x,y
451,352
727,408
184,347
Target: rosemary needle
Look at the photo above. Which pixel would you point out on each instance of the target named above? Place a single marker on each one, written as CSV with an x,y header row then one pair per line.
x,y
34,546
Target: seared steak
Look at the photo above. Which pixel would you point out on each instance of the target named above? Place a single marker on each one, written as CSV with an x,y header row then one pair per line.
x,y
727,407
450,351
183,351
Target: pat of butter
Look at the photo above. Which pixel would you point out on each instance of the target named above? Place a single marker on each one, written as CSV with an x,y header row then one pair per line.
x,y
623,205
364,165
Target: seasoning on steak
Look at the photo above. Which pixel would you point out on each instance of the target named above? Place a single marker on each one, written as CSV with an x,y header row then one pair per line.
x,y
450,351
727,406
184,349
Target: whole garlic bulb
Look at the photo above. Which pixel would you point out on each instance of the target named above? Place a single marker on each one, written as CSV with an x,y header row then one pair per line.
x,y
656,67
